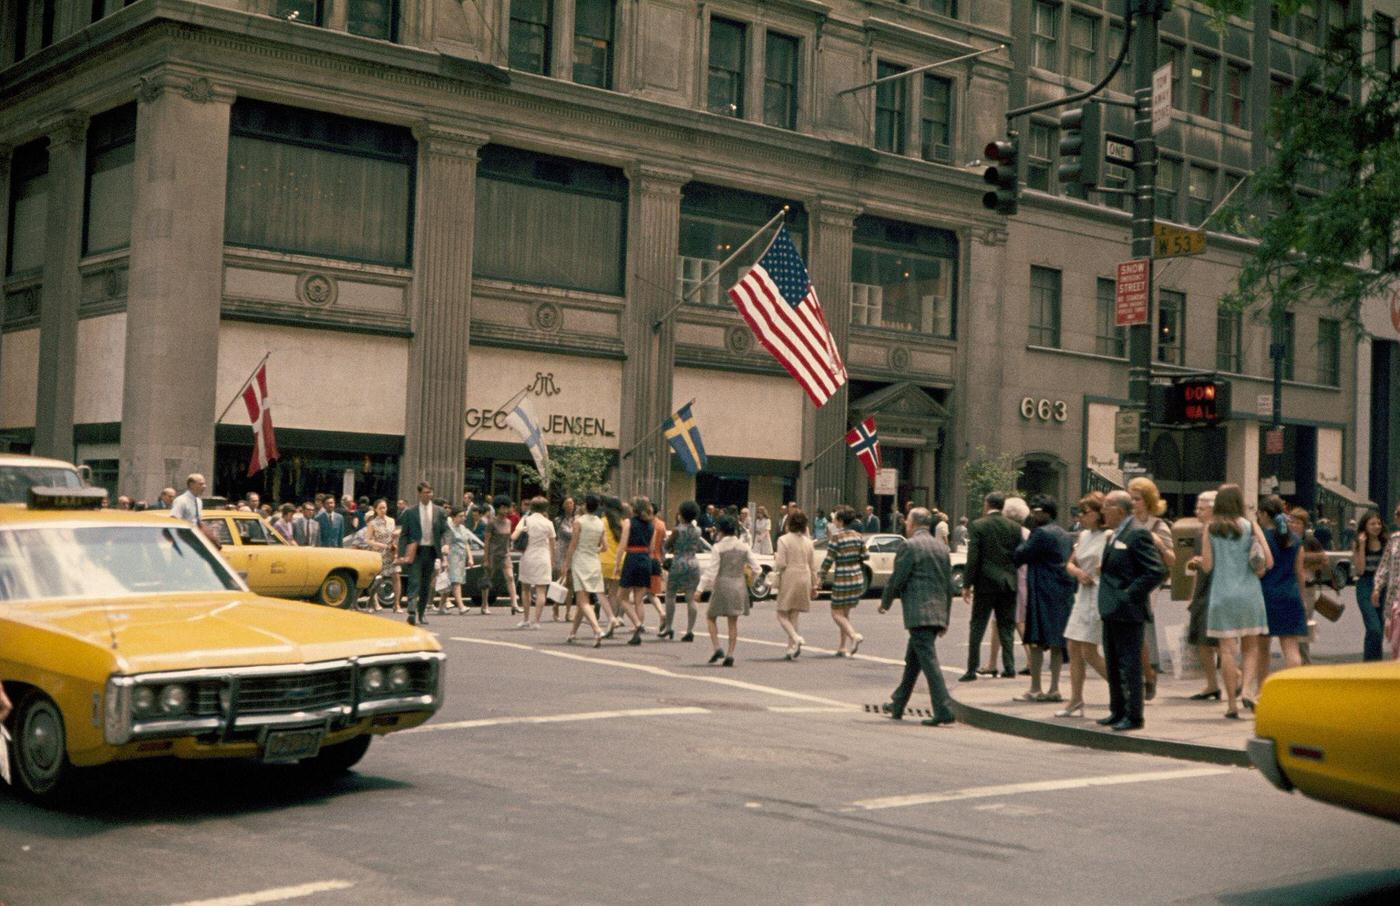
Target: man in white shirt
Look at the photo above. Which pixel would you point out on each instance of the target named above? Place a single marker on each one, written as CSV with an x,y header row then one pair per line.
x,y
424,532
188,506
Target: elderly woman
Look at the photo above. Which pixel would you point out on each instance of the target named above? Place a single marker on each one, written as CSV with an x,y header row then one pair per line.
x,y
1049,595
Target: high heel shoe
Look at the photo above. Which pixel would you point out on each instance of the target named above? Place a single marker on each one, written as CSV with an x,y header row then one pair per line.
x,y
597,640
797,647
636,637
1071,711
668,634
688,637
1248,702
717,656
612,627
1232,715
1206,696
729,662
855,643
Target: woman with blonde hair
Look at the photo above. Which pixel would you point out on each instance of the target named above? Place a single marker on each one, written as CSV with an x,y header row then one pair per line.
x,y
1148,508
1235,614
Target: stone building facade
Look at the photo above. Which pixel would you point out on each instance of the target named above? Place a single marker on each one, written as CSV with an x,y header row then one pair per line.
x,y
418,210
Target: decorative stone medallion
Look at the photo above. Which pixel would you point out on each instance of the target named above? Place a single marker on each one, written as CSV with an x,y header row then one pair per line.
x,y
548,317
738,340
898,358
317,289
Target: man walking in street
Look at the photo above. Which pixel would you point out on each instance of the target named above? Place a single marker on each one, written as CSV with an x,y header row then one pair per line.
x,y
922,580
332,523
989,582
423,533
1130,570
188,506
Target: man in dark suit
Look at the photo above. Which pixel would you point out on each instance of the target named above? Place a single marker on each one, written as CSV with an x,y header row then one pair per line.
x,y
1131,569
422,534
332,523
989,582
922,580
871,523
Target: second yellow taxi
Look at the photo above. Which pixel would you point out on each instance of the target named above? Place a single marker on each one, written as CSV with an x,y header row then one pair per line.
x,y
273,566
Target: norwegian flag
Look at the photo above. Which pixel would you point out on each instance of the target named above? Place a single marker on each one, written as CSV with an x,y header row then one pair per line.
x,y
260,417
863,439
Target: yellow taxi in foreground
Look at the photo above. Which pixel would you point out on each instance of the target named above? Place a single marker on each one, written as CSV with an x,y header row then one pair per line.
x,y
126,635
1332,733
271,566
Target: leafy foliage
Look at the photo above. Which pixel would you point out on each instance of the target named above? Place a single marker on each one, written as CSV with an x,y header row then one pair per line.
x,y
983,473
574,469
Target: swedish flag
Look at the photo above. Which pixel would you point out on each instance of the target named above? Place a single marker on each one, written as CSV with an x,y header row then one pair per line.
x,y
684,437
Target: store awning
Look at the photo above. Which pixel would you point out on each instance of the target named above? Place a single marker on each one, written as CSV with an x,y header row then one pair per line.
x,y
1105,479
1344,497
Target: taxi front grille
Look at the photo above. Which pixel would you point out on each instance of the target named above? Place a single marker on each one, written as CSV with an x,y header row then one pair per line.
x,y
295,692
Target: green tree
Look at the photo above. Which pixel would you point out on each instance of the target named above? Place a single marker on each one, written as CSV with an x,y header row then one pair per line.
x,y
573,469
983,473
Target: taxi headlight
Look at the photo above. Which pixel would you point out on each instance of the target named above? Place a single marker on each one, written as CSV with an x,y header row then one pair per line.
x,y
398,677
372,681
174,698
143,700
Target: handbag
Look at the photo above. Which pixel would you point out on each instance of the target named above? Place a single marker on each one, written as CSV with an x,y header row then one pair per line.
x,y
558,593
1329,606
1257,560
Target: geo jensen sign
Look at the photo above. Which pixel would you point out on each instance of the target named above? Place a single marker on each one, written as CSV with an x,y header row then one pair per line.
x,y
559,425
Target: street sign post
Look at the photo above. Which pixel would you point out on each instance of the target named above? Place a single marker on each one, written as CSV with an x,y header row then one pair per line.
x,y
1161,98
1118,149
886,482
1126,425
1131,298
1174,242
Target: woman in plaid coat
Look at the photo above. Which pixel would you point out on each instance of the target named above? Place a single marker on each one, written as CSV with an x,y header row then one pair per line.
x,y
845,553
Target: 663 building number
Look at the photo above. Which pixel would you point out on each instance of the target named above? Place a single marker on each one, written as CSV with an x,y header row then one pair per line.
x,y
1044,410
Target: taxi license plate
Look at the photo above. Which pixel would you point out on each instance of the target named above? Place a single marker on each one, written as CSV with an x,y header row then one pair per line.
x,y
292,745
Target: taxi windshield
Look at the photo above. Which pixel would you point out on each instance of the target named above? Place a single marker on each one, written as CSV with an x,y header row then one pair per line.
x,y
106,561
15,481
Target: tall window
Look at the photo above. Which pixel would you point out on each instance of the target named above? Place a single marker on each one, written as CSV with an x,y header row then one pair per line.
x,y
726,84
1168,184
373,18
1236,95
111,156
29,207
1329,352
531,25
1307,26
554,221
1289,330
1083,47
1123,79
1200,194
33,26
593,42
1385,42
1228,340
1038,153
780,81
936,121
903,277
1203,75
1338,18
1171,327
1114,177
1173,55
1045,307
715,221
1109,339
1045,34
891,108
305,12
317,184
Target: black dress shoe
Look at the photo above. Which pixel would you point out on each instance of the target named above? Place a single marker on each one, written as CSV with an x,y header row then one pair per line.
x,y
1108,721
716,657
729,662
1008,675
895,712
1126,724
688,637
1206,696
1024,671
967,677
939,721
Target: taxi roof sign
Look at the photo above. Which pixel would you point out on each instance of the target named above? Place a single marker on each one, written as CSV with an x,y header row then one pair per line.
x,y
66,498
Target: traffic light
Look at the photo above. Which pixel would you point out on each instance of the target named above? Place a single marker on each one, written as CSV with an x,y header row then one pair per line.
x,y
1003,174
1081,145
1190,401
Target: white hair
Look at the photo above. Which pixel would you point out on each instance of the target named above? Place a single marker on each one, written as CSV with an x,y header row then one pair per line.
x,y
1016,509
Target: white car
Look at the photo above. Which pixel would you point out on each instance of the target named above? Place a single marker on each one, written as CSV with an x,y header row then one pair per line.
x,y
20,472
880,550
760,586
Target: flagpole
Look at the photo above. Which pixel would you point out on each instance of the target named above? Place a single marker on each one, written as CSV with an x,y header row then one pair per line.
x,y
506,405
714,275
646,437
825,450
243,386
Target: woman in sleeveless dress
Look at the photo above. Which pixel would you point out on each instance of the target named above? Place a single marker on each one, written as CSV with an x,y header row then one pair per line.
x,y
633,569
537,562
582,566
1236,613
1084,630
683,578
1283,586
729,590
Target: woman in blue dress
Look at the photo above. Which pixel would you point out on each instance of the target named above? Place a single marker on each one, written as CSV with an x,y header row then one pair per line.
x,y
1235,614
634,570
1049,595
1283,586
459,556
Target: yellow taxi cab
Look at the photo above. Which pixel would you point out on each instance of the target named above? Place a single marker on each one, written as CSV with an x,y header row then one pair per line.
x,y
1331,733
271,565
125,636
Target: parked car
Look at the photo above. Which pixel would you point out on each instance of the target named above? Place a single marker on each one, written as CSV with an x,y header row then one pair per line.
x,y
271,566
19,473
1330,732
760,586
1340,562
126,636
880,552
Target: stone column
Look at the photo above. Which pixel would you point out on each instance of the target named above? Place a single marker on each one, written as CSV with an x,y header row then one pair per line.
x,y
829,267
653,243
175,283
58,314
6,152
977,405
434,445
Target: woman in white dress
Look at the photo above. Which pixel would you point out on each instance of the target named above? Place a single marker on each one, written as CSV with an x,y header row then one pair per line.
x,y
585,570
1085,627
763,532
537,563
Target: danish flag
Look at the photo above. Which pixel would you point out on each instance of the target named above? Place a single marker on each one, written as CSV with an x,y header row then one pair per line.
x,y
260,416
863,439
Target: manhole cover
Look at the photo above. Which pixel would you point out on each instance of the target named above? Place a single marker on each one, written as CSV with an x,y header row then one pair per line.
x,y
792,756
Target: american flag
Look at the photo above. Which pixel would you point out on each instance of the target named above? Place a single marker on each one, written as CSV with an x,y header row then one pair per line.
x,y
863,439
777,300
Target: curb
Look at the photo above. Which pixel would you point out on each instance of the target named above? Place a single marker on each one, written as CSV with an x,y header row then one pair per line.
x,y
1065,734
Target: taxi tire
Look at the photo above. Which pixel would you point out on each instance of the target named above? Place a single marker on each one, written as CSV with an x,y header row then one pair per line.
x,y
39,763
335,760
338,579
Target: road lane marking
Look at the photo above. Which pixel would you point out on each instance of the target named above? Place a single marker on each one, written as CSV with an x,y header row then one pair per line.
x,y
812,709
272,895
860,657
553,718
1042,786
663,672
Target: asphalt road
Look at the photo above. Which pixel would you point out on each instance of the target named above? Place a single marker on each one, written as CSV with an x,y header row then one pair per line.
x,y
654,777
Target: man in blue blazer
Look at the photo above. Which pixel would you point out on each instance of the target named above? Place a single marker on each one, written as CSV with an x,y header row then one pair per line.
x,y
422,535
1131,569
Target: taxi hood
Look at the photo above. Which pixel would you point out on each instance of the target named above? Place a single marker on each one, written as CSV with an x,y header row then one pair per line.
x,y
183,632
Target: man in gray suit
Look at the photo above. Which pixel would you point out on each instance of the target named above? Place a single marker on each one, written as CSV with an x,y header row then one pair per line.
x,y
922,580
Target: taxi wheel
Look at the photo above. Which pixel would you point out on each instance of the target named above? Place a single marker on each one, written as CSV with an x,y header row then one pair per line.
x,y
337,759
338,590
39,748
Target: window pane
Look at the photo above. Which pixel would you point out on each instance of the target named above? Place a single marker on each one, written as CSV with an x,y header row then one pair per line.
x,y
111,153
1123,80
1329,352
530,26
714,222
936,127
1203,85
1168,182
1109,339
1045,307
1307,27
1201,194
1385,42
593,43
726,83
891,109
903,277
1083,45
1227,340
1171,338
1038,158
1236,95
29,207
1170,53
780,81
372,18
307,12
1044,35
